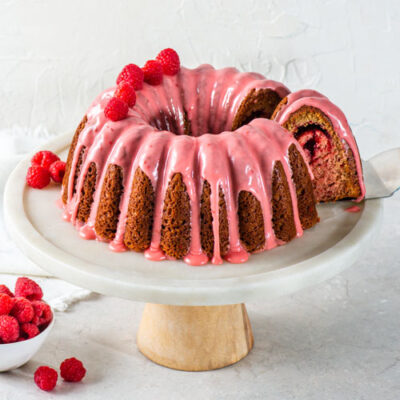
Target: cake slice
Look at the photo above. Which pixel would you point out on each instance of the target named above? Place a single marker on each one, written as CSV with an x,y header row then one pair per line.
x,y
330,148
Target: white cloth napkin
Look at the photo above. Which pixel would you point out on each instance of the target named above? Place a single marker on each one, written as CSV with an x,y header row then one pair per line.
x,y
16,143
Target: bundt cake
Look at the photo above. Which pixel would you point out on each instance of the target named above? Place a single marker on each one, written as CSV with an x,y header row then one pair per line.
x,y
196,170
329,145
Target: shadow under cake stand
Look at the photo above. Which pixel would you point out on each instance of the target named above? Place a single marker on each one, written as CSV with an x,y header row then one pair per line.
x,y
195,318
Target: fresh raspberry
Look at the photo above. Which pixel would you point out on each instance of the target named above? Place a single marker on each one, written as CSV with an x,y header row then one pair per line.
x,y
153,72
116,109
46,378
72,370
132,74
44,158
169,60
43,314
28,331
126,92
57,171
9,329
22,310
25,287
5,290
6,304
37,177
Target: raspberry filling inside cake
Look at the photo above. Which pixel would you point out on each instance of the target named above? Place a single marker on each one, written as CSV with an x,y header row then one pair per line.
x,y
320,155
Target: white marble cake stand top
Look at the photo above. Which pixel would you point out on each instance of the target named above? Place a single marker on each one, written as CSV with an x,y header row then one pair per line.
x,y
35,223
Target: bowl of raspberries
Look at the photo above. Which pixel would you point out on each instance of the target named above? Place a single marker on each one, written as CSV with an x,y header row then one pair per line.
x,y
25,322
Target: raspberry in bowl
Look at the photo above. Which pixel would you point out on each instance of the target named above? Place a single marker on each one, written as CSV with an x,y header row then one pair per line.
x,y
25,322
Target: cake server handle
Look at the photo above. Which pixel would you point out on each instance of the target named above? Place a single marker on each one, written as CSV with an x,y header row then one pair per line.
x,y
382,174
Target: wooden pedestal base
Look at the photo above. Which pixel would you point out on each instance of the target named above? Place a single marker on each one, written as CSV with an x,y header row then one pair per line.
x,y
195,338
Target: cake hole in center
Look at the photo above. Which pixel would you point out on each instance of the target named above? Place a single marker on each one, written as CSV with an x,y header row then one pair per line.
x,y
180,125
257,104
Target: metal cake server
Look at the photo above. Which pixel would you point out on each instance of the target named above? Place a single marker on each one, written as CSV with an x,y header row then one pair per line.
x,y
382,174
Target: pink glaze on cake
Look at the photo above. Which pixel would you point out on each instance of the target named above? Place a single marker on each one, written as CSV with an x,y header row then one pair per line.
x,y
315,99
233,161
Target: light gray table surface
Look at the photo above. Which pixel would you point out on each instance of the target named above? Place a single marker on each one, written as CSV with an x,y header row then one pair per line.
x,y
338,340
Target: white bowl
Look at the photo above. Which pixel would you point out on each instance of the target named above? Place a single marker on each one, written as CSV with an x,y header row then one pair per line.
x,y
14,355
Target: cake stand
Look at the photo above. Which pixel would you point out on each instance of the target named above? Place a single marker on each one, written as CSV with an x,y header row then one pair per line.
x,y
195,318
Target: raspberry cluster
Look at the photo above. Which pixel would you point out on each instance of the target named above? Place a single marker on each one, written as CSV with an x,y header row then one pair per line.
x,y
23,314
71,370
45,166
131,78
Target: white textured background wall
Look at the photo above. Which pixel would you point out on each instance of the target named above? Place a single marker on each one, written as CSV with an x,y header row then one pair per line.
x,y
56,55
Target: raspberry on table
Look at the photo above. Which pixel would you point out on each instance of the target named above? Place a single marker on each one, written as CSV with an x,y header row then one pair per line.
x,y
72,370
57,171
153,72
116,109
46,378
9,329
43,314
126,92
169,60
25,287
44,158
5,290
37,177
6,304
22,310
28,331
132,74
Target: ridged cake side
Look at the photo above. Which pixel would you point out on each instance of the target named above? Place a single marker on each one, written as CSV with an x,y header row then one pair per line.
x,y
68,166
